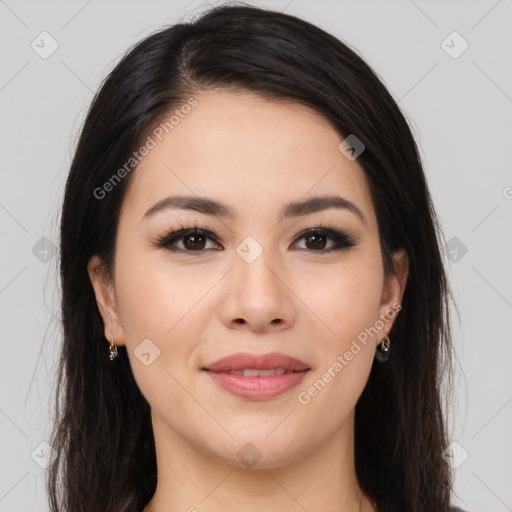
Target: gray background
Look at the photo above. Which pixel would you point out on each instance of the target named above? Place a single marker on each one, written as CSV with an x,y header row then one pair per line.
x,y
460,111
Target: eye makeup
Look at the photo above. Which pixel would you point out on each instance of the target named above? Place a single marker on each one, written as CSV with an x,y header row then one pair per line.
x,y
195,236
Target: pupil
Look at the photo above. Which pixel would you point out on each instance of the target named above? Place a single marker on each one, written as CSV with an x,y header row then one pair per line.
x,y
318,241
194,245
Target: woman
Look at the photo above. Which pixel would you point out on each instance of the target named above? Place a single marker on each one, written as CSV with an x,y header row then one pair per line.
x,y
254,301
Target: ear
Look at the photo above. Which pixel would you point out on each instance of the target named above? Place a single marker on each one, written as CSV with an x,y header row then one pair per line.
x,y
393,290
104,292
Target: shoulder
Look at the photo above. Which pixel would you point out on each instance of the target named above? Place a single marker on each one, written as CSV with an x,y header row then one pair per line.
x,y
456,509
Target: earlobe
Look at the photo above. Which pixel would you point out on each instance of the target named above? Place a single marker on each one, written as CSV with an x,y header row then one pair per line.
x,y
105,300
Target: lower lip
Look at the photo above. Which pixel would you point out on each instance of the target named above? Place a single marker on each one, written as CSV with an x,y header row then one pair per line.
x,y
257,388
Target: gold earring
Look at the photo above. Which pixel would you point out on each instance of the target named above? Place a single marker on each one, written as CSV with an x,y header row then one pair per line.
x,y
112,350
382,352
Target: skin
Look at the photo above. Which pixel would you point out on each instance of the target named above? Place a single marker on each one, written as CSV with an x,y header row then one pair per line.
x,y
198,306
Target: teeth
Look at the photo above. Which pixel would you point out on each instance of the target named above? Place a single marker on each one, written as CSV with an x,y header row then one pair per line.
x,y
253,372
267,373
236,372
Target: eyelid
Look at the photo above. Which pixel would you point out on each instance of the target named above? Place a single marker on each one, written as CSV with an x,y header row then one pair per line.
x,y
342,237
183,231
332,232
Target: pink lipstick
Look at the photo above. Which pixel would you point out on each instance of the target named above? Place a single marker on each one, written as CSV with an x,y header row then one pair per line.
x,y
257,376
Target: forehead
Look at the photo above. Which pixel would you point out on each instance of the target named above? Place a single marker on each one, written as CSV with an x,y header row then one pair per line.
x,y
250,152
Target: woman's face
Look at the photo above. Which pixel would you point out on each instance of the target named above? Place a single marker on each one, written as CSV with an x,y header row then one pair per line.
x,y
250,282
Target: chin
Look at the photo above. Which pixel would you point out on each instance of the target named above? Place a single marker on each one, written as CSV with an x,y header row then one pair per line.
x,y
256,452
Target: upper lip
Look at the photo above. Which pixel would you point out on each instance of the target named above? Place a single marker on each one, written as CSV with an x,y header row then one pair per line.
x,y
242,360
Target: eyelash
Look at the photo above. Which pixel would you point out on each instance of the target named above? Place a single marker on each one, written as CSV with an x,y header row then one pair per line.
x,y
343,240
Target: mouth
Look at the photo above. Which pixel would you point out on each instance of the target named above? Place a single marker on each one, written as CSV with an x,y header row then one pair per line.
x,y
258,372
257,362
257,377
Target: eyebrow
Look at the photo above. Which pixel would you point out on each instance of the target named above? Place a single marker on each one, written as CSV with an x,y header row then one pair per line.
x,y
215,208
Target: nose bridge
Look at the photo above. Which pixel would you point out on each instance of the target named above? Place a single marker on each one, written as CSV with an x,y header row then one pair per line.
x,y
257,269
258,294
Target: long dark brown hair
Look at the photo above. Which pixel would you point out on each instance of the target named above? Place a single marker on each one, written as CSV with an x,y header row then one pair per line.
x,y
102,434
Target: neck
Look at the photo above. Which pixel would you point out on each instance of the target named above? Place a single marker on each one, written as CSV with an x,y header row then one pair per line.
x,y
322,479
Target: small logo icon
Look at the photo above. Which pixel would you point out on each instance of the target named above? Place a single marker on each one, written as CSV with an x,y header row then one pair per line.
x,y
249,250
455,455
43,455
351,147
43,249
454,45
146,352
44,45
249,455
455,249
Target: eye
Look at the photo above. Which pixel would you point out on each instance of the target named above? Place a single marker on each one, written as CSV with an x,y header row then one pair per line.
x,y
317,239
195,239
192,239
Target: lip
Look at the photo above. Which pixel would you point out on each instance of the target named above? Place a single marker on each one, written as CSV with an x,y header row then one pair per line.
x,y
257,388
243,360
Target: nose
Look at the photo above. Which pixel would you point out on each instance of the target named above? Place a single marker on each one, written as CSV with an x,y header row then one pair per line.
x,y
258,296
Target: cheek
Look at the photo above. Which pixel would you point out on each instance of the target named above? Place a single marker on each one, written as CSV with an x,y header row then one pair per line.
x,y
357,304
155,297
170,305
160,311
344,299
347,302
